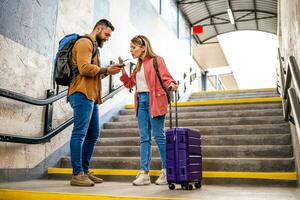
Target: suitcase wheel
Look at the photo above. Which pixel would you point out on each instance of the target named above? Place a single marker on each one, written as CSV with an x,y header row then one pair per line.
x,y
198,185
171,186
189,187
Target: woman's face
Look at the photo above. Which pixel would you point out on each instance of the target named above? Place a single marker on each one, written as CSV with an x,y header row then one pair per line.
x,y
136,51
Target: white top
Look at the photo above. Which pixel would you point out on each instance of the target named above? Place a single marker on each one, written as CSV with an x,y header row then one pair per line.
x,y
141,85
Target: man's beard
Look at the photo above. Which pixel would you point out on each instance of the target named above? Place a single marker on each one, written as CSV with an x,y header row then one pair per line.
x,y
100,42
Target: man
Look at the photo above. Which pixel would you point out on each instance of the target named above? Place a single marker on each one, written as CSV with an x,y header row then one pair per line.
x,y
84,95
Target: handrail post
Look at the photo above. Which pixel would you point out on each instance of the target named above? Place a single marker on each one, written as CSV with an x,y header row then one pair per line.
x,y
177,95
110,84
287,108
287,83
130,72
281,74
204,80
110,81
48,114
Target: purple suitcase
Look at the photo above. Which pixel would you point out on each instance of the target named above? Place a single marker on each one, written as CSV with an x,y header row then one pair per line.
x,y
184,158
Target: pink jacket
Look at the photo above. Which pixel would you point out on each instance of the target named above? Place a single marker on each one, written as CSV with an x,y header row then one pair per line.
x,y
157,96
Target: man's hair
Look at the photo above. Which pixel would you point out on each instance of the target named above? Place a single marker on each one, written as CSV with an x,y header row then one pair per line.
x,y
104,22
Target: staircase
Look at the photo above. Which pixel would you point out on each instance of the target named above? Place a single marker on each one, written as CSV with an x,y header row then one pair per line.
x,y
245,140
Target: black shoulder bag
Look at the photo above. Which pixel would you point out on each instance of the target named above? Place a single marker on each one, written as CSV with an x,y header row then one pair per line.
x,y
155,65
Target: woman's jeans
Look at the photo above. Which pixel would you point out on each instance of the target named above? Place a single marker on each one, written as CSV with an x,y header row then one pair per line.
x,y
148,125
85,131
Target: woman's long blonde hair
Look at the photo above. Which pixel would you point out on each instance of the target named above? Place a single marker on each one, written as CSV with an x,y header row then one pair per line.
x,y
143,41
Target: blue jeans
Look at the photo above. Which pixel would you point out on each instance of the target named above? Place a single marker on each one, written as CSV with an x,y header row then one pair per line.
x,y
148,125
85,132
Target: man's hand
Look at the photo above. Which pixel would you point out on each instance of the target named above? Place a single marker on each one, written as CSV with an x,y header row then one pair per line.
x,y
113,69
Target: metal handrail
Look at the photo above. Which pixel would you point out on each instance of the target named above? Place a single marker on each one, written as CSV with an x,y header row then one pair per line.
x,y
36,140
295,73
31,100
48,131
290,91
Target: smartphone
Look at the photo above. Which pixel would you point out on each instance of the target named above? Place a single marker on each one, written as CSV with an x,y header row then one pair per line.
x,y
121,65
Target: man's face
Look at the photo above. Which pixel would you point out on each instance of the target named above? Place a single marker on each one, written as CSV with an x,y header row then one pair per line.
x,y
103,35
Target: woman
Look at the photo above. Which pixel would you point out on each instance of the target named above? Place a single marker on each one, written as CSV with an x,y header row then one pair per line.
x,y
151,104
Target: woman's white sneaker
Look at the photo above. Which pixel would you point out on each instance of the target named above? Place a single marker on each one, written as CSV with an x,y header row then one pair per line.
x,y
162,179
142,179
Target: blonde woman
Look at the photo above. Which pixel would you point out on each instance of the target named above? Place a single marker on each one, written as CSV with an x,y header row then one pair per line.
x,y
151,104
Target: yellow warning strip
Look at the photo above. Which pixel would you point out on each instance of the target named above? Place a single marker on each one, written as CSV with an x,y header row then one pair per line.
x,y
224,101
115,172
6,194
224,91
290,176
206,174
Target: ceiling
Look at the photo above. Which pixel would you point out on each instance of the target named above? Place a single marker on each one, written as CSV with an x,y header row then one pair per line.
x,y
209,55
258,15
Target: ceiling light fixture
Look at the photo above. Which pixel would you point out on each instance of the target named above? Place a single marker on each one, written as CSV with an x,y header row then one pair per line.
x,y
230,16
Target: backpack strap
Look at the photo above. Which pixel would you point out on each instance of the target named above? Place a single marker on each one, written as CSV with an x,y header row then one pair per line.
x,y
95,49
155,65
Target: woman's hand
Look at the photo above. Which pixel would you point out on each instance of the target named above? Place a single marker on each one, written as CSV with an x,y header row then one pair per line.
x,y
123,70
173,86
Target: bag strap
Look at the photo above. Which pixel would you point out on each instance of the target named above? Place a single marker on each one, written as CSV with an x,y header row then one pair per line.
x,y
155,65
95,49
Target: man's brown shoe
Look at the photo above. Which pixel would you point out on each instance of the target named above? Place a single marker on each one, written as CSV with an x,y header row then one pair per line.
x,y
81,180
95,179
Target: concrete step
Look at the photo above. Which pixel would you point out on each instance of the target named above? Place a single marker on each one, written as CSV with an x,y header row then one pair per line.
x,y
250,106
207,122
271,139
237,151
209,164
254,129
197,97
237,137
211,114
260,182
236,92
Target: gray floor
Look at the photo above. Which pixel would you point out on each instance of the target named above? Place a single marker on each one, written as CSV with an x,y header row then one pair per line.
x,y
207,192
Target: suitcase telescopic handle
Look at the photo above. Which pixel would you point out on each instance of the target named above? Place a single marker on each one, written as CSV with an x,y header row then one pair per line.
x,y
170,108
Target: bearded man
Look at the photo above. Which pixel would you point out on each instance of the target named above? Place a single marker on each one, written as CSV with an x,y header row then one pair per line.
x,y
84,95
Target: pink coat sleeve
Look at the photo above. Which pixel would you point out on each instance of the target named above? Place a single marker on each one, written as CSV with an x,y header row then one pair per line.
x,y
164,73
129,81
